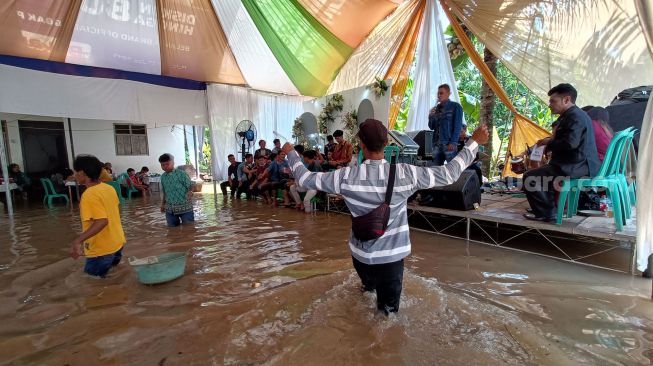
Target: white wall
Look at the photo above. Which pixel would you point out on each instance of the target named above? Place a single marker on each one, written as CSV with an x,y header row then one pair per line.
x,y
96,137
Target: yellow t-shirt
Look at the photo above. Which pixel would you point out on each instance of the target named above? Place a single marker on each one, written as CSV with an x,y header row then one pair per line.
x,y
105,176
101,202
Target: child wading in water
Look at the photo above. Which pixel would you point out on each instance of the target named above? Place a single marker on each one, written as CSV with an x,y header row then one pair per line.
x,y
102,238
177,193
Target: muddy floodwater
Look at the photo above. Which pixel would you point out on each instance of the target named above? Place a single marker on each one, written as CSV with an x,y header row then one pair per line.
x,y
277,287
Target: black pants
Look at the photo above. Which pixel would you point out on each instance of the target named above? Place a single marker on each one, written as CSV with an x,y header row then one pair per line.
x,y
244,188
386,279
233,186
540,192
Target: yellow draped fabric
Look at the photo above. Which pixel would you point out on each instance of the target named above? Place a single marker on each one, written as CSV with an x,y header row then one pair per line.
x,y
400,66
524,131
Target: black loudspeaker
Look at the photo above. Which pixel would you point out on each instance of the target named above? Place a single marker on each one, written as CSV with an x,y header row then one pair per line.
x,y
627,115
424,139
460,196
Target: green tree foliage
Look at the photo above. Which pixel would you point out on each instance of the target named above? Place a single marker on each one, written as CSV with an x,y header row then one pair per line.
x,y
402,117
205,159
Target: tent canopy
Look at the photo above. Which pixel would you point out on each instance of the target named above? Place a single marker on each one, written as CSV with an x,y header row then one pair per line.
x,y
299,47
285,46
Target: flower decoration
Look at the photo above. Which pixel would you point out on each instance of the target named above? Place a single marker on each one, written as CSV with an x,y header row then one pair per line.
x,y
350,120
334,104
379,87
298,132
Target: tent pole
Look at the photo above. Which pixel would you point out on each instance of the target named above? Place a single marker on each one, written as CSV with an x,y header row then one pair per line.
x,y
208,120
5,174
197,167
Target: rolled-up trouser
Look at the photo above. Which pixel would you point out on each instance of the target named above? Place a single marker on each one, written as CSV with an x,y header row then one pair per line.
x,y
310,193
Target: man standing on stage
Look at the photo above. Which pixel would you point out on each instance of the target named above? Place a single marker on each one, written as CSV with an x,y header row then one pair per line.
x,y
446,120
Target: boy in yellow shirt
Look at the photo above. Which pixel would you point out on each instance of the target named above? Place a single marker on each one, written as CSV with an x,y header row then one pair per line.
x,y
102,238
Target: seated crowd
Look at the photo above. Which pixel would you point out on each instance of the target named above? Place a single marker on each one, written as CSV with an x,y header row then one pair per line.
x,y
266,173
59,177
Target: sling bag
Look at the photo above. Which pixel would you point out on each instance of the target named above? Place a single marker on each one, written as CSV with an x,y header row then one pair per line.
x,y
373,224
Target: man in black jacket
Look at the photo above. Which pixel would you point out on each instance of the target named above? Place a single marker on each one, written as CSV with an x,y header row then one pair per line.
x,y
573,154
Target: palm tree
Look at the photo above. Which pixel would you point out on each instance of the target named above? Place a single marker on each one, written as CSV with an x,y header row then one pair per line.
x,y
488,99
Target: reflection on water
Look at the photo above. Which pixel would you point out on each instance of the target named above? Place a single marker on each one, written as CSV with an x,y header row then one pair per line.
x,y
276,286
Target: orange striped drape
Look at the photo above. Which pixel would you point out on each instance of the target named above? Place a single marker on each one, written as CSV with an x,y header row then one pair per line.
x,y
37,29
193,43
401,63
524,131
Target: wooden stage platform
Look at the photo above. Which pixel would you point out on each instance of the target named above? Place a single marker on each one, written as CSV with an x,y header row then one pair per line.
x,y
499,222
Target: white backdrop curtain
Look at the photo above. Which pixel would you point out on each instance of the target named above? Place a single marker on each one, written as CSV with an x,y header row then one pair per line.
x,y
433,69
644,167
228,105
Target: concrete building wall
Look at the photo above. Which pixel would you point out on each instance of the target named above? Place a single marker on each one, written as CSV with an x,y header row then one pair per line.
x,y
96,137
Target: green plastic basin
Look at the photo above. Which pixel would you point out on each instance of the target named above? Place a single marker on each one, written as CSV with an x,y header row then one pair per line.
x,y
168,266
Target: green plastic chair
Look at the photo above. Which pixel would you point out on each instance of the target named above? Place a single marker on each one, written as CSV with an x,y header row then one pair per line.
x,y
50,193
124,177
387,153
617,170
607,177
116,187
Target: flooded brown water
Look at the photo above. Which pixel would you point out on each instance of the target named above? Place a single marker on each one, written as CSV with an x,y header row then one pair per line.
x,y
276,286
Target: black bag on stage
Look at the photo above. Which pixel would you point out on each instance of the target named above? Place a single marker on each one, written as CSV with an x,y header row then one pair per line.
x,y
373,224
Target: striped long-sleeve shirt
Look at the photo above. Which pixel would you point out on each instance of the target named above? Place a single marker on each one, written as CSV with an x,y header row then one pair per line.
x,y
363,189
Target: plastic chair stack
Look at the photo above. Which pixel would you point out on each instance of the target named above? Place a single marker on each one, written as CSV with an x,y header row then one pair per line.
x,y
611,177
50,193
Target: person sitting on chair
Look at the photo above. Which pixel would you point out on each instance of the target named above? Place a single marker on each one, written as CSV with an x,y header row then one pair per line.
x,y
603,133
341,155
245,173
144,176
311,165
278,174
232,177
262,151
135,181
573,154
21,179
277,146
330,145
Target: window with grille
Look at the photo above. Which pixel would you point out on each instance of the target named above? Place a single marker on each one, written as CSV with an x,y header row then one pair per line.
x,y
130,139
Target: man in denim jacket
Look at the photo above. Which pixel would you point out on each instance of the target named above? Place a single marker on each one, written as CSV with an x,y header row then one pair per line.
x,y
446,120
